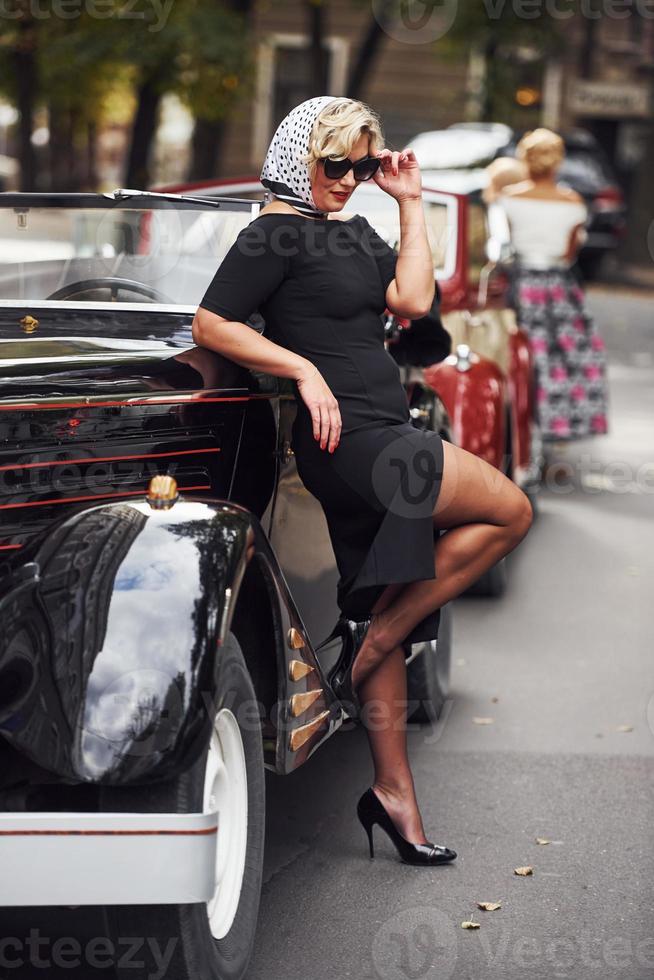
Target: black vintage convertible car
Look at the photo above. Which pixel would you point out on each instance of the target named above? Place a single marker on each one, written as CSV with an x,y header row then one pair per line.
x,y
165,578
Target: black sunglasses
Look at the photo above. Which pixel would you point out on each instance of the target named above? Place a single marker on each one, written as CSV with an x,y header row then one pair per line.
x,y
363,169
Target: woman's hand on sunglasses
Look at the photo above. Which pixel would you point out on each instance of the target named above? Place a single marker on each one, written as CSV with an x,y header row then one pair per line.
x,y
399,174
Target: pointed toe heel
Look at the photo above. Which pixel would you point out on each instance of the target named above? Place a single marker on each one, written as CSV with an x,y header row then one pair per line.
x,y
371,810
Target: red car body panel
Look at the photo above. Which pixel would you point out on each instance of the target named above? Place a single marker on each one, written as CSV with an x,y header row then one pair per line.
x,y
521,399
474,400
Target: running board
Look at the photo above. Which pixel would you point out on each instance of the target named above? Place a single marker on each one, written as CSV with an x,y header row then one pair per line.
x,y
107,858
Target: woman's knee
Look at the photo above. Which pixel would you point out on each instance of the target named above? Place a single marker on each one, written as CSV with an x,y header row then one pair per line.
x,y
522,514
474,490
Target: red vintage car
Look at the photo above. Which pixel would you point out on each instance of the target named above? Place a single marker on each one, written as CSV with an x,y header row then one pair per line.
x,y
486,383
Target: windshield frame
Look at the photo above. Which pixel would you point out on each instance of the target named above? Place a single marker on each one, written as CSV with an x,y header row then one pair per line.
x,y
24,200
123,199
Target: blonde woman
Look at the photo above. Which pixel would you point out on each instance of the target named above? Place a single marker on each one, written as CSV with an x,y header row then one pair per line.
x,y
502,172
321,284
546,223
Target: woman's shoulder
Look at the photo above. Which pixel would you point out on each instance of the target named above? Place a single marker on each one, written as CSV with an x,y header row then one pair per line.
x,y
566,195
524,191
275,209
516,190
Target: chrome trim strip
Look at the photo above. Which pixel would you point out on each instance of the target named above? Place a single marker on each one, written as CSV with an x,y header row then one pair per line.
x,y
87,304
81,460
100,401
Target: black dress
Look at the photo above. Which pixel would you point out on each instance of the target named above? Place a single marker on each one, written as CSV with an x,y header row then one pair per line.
x,y
320,287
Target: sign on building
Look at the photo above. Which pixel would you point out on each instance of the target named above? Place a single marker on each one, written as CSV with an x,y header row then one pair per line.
x,y
609,99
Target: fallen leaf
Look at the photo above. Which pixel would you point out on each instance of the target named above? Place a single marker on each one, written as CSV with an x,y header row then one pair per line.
x,y
625,728
542,840
469,925
523,871
489,906
483,721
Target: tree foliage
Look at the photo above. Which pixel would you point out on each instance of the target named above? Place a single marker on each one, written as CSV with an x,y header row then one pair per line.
x,y
197,49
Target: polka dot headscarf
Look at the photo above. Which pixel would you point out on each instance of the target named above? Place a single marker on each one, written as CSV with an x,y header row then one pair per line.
x,y
283,172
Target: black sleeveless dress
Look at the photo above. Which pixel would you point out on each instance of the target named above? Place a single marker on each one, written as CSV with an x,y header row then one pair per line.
x,y
320,287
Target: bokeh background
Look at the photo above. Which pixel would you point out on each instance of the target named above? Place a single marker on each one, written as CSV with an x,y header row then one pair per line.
x,y
98,94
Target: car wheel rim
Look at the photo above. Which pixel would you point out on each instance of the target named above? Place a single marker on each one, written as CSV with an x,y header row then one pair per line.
x,y
226,791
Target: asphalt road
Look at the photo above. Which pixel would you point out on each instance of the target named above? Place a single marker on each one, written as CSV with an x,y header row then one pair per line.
x,y
563,665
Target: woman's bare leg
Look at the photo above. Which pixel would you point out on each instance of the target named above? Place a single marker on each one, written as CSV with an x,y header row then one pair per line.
x,y
484,515
386,689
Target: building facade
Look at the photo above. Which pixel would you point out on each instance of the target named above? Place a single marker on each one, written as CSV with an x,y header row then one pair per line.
x,y
409,85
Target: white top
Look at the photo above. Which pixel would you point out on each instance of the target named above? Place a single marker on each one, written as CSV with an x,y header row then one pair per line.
x,y
499,232
540,228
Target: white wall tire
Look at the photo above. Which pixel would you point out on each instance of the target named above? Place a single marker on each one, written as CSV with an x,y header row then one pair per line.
x,y
215,940
226,791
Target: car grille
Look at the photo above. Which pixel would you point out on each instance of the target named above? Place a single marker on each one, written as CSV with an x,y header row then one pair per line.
x,y
51,460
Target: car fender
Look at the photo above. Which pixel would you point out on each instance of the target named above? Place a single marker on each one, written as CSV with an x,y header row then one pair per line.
x,y
522,399
473,390
113,621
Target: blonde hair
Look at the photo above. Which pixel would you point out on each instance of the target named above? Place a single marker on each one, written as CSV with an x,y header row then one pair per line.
x,y
501,172
338,127
542,150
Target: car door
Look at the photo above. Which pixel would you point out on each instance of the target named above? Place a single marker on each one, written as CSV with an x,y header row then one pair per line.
x,y
299,534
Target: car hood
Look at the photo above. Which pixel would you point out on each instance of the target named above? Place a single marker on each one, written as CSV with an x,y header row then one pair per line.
x,y
44,353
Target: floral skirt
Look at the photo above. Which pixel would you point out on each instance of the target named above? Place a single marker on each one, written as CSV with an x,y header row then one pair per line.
x,y
569,355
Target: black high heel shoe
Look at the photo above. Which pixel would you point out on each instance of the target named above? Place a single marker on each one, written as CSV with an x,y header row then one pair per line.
x,y
371,810
340,676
